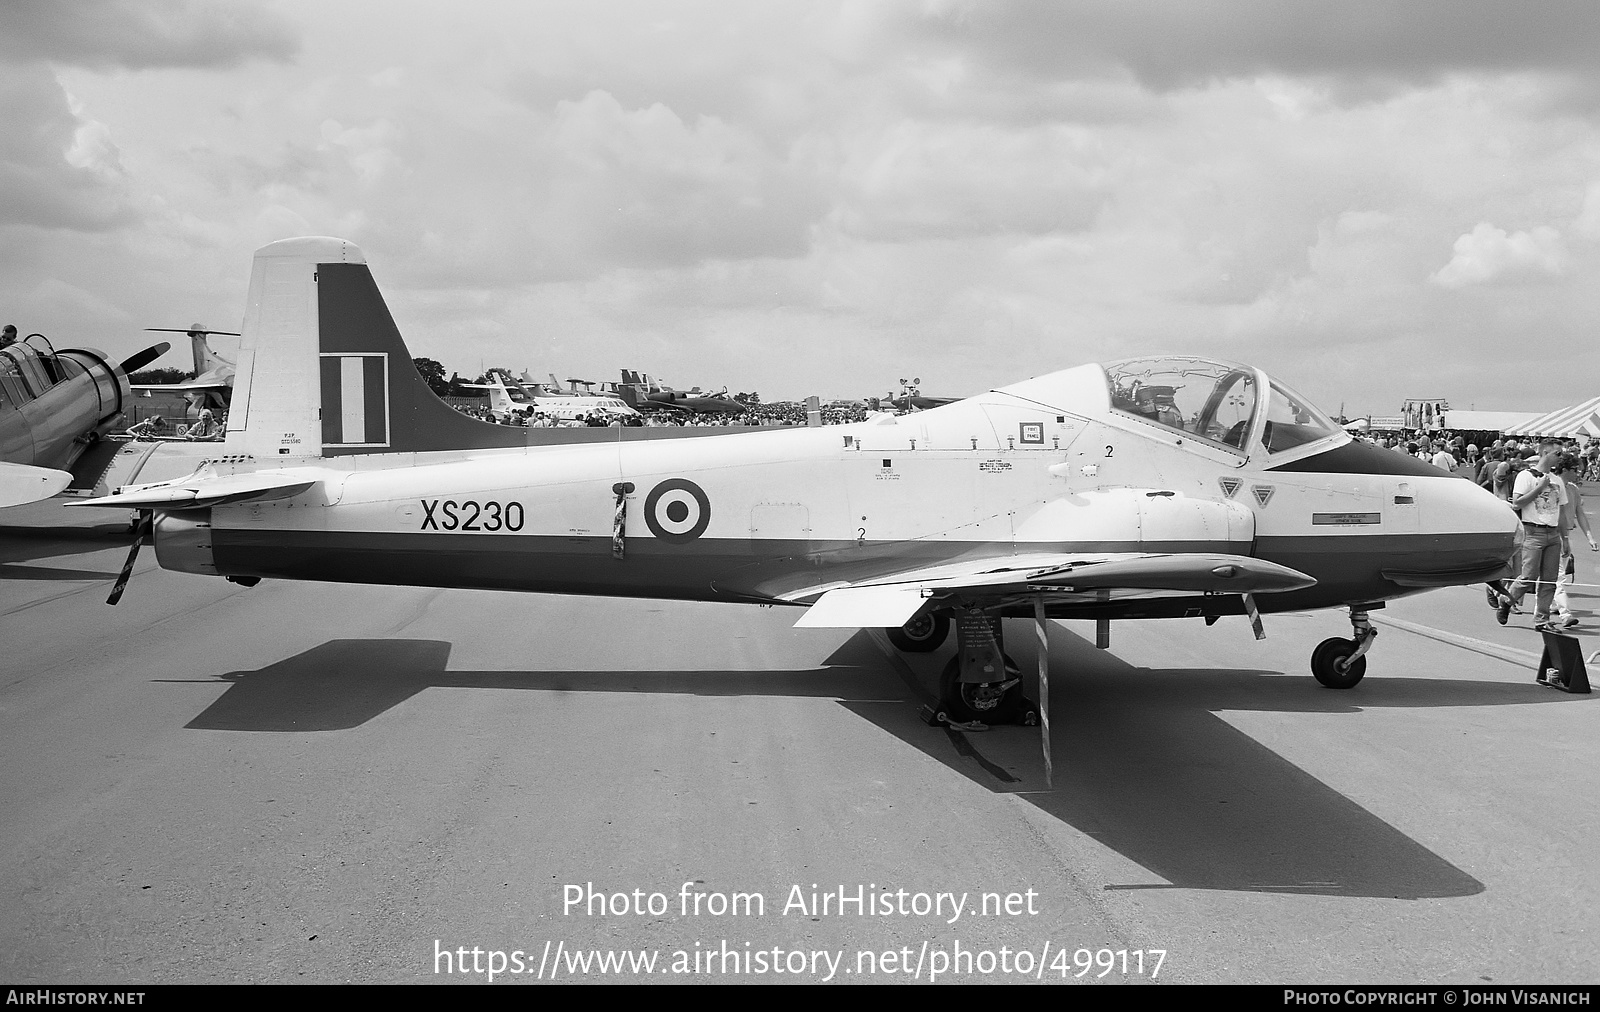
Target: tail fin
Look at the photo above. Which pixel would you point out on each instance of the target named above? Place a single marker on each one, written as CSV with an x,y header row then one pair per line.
x,y
206,358
323,371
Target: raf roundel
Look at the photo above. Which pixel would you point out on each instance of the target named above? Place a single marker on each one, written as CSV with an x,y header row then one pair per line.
x,y
677,510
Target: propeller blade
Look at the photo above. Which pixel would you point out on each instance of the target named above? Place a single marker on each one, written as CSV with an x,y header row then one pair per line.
x,y
140,532
1044,687
192,330
141,359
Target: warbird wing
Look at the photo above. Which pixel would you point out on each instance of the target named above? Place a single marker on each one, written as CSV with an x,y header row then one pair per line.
x,y
24,483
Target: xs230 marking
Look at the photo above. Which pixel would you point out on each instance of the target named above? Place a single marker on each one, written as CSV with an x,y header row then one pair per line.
x,y
471,515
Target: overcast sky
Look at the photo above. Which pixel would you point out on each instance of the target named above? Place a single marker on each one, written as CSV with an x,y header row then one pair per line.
x,y
1371,200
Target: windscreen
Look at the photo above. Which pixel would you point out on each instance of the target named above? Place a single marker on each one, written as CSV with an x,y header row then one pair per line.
x,y
1293,421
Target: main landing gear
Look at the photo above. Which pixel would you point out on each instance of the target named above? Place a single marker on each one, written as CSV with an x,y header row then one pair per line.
x,y
990,691
996,702
1341,663
981,685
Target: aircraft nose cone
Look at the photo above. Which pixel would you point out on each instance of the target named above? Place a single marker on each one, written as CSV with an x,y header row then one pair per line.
x,y
1473,518
1494,514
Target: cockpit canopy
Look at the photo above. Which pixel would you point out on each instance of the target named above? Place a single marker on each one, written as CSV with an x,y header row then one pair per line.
x,y
1217,402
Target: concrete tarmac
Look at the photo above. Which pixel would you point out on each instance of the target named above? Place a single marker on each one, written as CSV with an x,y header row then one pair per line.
x,y
315,782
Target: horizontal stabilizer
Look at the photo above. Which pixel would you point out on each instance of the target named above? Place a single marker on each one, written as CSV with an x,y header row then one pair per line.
x,y
23,483
195,492
183,387
862,608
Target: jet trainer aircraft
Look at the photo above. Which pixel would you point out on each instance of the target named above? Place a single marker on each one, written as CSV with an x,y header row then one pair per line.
x,y
645,393
1146,488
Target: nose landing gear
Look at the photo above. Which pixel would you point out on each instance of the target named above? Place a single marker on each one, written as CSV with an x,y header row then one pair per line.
x,y
1341,663
922,634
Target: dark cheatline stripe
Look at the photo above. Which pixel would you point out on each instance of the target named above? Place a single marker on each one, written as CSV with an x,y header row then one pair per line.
x,y
332,402
1356,457
1349,569
372,383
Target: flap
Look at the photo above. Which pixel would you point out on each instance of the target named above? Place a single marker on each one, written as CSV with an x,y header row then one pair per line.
x,y
862,608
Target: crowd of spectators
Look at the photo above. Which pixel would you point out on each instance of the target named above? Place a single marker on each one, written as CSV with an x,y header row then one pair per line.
x,y
1496,463
779,414
1542,480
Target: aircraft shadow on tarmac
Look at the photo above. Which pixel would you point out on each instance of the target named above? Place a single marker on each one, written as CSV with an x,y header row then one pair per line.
x,y
19,545
345,683
1144,765
1143,762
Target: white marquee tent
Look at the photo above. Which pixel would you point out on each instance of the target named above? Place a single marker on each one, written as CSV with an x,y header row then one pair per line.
x,y
1575,421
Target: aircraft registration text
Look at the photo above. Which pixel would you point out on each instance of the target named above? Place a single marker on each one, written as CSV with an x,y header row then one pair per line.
x,y
471,515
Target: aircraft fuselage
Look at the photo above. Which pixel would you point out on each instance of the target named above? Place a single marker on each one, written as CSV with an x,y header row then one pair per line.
x,y
766,516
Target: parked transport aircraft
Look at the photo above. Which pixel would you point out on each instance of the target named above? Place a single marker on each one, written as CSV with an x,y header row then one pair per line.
x,y
212,385
506,400
1157,487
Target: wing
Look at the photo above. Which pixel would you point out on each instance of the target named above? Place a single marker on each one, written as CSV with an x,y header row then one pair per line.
x,y
196,491
893,600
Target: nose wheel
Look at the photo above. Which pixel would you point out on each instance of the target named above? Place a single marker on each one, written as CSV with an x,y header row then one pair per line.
x,y
1341,663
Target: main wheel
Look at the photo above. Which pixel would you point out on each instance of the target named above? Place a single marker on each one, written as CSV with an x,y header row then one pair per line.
x,y
990,702
922,634
1331,663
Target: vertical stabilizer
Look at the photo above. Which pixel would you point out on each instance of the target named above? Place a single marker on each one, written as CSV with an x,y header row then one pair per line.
x,y
323,370
276,390
206,359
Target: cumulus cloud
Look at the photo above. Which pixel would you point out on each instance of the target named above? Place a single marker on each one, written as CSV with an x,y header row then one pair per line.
x,y
57,169
60,167
523,197
1488,254
141,34
1587,224
646,187
952,181
1167,45
980,189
